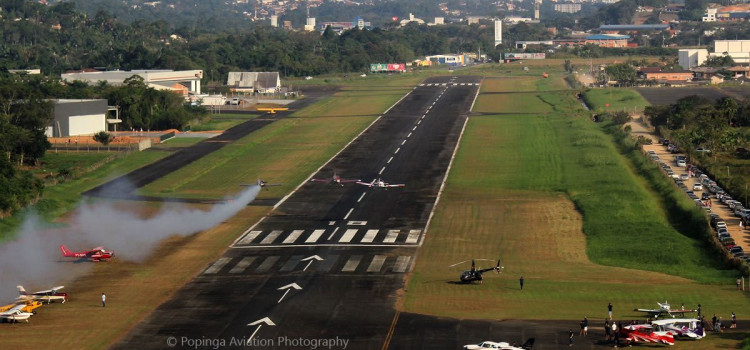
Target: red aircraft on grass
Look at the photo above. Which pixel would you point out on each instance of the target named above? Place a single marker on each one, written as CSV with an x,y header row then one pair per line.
x,y
644,333
96,254
336,179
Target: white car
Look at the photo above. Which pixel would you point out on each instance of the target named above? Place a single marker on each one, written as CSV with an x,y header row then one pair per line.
x,y
697,187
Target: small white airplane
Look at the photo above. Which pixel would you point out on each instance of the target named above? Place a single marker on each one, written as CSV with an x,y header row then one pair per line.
x,y
500,345
262,184
336,179
664,308
15,314
379,183
682,327
48,296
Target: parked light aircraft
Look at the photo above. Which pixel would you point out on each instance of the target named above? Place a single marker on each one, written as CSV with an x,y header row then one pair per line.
x,y
664,308
379,183
27,306
644,333
486,345
475,274
96,254
336,179
49,295
682,327
272,110
15,314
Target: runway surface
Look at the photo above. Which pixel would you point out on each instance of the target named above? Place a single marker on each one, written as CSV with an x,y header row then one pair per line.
x,y
329,262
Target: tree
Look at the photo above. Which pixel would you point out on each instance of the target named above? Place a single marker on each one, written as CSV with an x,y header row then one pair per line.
x,y
621,72
103,137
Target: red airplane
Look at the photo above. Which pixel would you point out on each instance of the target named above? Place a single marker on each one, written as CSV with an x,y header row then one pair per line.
x,y
336,179
96,254
644,333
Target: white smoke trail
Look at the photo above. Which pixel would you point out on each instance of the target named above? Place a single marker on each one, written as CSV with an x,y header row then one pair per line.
x,y
33,258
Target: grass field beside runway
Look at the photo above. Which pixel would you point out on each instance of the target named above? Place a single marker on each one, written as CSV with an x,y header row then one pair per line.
x,y
619,99
223,121
285,152
517,189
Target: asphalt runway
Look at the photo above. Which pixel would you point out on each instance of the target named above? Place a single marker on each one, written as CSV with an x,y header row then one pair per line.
x,y
329,263
123,186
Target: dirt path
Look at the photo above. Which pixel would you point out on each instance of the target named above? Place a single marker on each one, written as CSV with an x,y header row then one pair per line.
x,y
740,235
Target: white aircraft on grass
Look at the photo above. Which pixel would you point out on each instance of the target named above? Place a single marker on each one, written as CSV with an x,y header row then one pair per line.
x,y
48,296
15,314
379,183
500,345
664,308
683,327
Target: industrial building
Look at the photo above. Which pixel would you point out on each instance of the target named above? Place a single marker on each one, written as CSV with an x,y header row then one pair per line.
x,y
738,50
450,59
568,7
260,82
608,40
77,117
689,58
339,27
181,82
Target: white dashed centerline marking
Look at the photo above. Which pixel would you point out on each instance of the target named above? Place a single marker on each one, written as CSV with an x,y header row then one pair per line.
x,y
403,142
414,128
397,149
381,171
362,196
419,122
408,136
389,160
349,213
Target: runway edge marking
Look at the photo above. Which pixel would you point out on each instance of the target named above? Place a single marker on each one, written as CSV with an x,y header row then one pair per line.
x,y
322,166
447,172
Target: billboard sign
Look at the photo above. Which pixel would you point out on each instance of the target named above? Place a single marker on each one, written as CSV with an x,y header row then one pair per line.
x,y
387,67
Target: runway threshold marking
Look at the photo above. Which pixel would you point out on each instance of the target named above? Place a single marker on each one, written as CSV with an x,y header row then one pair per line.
x,y
348,235
388,337
370,236
413,236
349,213
267,263
249,237
402,262
293,236
216,266
315,236
391,236
362,196
291,263
352,264
271,237
243,264
377,263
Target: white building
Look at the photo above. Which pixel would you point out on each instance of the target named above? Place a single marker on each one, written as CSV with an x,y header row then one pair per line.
x,y
310,25
410,20
157,79
568,7
261,82
689,58
77,117
739,50
710,15
274,21
498,32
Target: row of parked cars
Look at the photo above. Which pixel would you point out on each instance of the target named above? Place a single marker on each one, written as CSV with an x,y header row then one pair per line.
x,y
708,189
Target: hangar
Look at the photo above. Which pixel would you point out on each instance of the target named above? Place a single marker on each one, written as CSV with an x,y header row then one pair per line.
x,y
261,82
77,117
177,81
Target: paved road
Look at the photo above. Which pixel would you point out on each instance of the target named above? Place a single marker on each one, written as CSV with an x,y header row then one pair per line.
x,y
345,249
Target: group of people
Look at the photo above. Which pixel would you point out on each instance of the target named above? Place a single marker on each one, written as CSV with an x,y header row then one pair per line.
x,y
717,325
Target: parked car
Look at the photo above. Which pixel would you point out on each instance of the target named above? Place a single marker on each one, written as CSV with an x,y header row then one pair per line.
x,y
684,177
697,187
702,150
721,224
705,196
681,162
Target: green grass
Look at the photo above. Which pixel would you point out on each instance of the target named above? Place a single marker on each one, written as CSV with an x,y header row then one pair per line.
x,y
552,196
63,197
619,99
180,142
76,162
222,121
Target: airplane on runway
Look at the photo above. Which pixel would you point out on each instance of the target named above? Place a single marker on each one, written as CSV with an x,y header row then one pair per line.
x,y
48,295
681,327
96,254
475,274
664,308
272,110
15,314
379,183
262,184
336,179
644,333
487,345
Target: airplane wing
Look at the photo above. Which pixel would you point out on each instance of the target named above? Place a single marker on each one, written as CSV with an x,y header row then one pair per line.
x,y
321,180
396,185
349,180
650,311
366,183
50,291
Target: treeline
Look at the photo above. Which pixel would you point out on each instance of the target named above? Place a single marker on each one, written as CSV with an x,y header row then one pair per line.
x,y
26,109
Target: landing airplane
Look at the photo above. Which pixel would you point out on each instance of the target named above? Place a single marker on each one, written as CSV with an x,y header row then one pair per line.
x,y
272,110
48,295
336,179
664,308
681,327
96,254
487,345
644,333
379,183
472,275
15,314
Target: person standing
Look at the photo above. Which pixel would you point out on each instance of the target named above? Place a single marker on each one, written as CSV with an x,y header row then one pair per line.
x,y
734,321
699,310
607,331
609,310
570,337
521,282
739,284
585,326
104,300
616,334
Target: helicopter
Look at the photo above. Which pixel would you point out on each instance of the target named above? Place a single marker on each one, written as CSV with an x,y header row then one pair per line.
x,y
475,274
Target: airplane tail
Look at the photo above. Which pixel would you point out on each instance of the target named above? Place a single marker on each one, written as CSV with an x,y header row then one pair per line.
x,y
528,344
21,290
65,251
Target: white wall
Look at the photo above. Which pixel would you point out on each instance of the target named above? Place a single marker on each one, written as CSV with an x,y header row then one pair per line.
x,y
86,124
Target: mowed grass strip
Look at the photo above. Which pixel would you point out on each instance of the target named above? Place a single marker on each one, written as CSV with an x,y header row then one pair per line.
x,y
619,99
525,189
284,152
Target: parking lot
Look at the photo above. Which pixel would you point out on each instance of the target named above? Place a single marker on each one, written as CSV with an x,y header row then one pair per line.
x,y
725,213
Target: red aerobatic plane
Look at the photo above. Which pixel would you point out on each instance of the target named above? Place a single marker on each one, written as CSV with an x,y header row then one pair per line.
x,y
96,254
